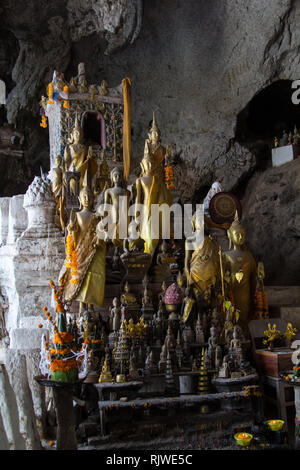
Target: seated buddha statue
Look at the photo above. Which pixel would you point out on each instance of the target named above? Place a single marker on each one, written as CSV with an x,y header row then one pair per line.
x,y
128,298
242,266
202,268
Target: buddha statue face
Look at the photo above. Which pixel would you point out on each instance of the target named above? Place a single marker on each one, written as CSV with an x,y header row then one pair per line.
x,y
116,176
77,136
86,198
147,166
57,161
237,235
154,136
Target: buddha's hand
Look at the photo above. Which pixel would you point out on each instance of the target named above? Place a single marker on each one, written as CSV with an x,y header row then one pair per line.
x,y
72,222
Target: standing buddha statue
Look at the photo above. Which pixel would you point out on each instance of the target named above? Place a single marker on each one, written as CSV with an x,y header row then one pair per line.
x,y
90,249
243,271
78,157
151,187
59,191
202,267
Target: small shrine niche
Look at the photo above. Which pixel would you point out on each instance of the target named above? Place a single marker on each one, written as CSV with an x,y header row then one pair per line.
x,y
99,110
93,125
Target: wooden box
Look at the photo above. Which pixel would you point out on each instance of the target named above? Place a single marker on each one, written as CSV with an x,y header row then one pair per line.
x,y
272,362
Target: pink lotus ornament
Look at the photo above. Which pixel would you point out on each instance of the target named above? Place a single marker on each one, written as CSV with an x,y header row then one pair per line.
x,y
173,299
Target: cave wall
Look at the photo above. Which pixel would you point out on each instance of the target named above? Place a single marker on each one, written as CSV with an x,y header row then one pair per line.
x,y
197,63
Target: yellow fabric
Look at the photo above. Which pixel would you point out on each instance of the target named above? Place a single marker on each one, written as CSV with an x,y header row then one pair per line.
x,y
126,127
93,286
187,309
204,267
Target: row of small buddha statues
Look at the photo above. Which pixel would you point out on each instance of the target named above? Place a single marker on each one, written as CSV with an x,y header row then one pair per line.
x,y
288,138
162,343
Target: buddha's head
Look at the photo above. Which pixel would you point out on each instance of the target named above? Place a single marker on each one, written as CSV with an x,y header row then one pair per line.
x,y
198,221
86,198
77,134
236,233
147,165
57,161
116,176
116,302
154,133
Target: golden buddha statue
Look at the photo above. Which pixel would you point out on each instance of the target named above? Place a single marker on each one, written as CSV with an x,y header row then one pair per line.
x,y
154,147
79,157
202,268
243,272
103,88
105,375
90,252
119,206
150,189
59,191
127,297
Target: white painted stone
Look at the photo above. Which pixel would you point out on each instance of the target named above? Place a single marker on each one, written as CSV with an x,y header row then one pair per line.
x,y
4,213
17,219
9,413
16,370
282,155
4,445
27,338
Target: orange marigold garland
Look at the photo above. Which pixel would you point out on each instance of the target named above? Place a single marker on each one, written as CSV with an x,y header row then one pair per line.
x,y
66,101
71,259
169,176
50,93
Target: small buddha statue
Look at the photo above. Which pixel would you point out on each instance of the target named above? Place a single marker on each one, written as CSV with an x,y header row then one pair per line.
x,y
284,140
296,137
218,357
105,375
164,257
199,332
181,281
59,191
213,338
128,298
149,363
103,88
162,359
243,272
73,85
118,197
116,314
188,308
224,371
275,142
83,86
133,372
169,340
235,343
161,295
132,244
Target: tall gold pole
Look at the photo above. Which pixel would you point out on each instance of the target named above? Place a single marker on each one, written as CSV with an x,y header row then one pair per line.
x,y
222,276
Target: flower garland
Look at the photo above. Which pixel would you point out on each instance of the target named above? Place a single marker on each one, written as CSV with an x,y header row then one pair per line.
x,y
43,122
66,101
50,93
169,175
261,302
71,261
